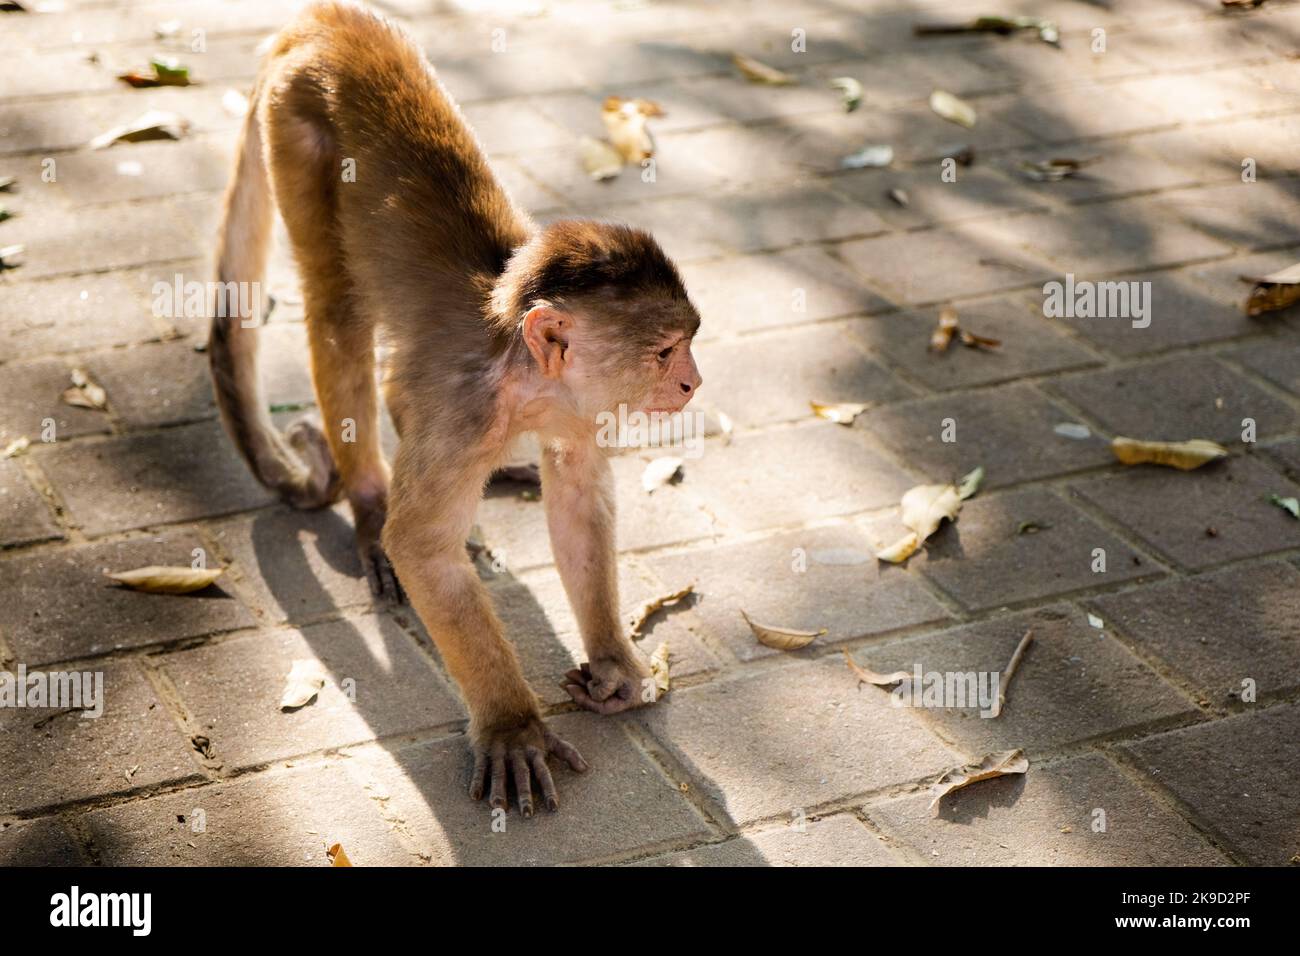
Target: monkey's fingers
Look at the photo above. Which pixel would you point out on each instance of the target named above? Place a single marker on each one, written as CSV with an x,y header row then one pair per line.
x,y
543,775
497,796
611,705
480,771
523,782
565,751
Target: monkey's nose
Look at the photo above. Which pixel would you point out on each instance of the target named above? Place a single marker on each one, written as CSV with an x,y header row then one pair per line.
x,y
688,387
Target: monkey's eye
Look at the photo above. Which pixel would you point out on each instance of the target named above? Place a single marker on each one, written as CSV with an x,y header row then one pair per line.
x,y
663,356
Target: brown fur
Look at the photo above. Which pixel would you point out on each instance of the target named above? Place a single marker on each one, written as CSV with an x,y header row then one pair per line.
x,y
495,328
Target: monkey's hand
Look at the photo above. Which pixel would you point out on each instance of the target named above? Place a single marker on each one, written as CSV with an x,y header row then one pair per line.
x,y
522,749
376,567
611,684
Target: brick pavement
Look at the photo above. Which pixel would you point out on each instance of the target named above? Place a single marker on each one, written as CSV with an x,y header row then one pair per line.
x,y
812,284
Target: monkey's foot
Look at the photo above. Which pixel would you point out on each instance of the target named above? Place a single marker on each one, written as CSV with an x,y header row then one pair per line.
x,y
529,474
379,572
311,481
610,686
522,749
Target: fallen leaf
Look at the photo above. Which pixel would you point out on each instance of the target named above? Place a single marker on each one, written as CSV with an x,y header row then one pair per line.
x,y
850,90
869,157
1031,527
867,676
924,509
15,447
991,765
973,341
202,746
158,579
900,196
152,125
900,550
1047,30
970,483
841,413
306,677
781,638
167,28
1289,505
234,102
599,159
641,617
1054,170
1095,621
1072,430
9,256
660,472
625,121
757,72
163,71
659,667
336,856
952,109
1274,291
6,182
84,393
1184,455
941,337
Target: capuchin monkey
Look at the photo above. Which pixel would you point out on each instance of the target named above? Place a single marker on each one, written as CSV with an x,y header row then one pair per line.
x,y
494,328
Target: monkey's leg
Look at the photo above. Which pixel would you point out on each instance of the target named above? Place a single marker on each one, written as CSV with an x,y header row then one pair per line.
x,y
432,508
578,493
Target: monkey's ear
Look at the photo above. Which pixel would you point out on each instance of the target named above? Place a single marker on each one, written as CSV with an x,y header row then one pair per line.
x,y
546,333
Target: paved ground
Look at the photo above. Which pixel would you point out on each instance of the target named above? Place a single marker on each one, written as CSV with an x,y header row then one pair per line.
x,y
813,285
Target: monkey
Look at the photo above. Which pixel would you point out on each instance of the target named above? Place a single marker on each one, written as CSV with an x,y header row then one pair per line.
x,y
493,327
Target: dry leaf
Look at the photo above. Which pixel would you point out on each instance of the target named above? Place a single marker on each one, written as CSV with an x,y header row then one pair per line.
x,y
924,508
1054,170
850,90
15,447
625,121
1274,291
841,413
599,159
941,337
782,638
900,550
9,256
973,341
163,71
1072,430
660,472
869,157
868,676
336,856
970,483
306,677
900,196
154,124
157,579
1184,455
992,765
952,109
1095,621
1047,30
1290,505
659,667
84,392
757,72
640,618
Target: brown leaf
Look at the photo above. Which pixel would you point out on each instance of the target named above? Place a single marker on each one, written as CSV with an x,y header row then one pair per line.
x,y
84,393
306,678
841,413
992,765
973,341
659,668
154,124
941,337
336,856
757,72
157,579
625,121
648,609
868,676
1274,291
1184,455
781,638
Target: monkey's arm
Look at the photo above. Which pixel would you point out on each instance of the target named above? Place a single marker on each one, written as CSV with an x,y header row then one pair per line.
x,y
429,518
578,492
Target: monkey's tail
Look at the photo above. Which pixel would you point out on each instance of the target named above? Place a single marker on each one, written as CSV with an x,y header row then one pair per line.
x,y
297,465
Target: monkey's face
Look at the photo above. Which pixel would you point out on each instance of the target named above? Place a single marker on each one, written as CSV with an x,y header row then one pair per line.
x,y
604,372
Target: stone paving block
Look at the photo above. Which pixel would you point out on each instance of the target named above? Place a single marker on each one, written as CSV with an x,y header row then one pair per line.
x,y
1249,215
1175,512
751,220
54,756
1239,775
761,578
105,237
509,126
59,606
1103,237
42,842
1287,454
937,265
733,156
579,111
1032,345
1080,112
1275,360
1190,396
1213,95
623,802
1218,629
278,818
772,378
919,136
892,79
782,288
178,474
984,561
24,516
1046,818
1075,683
840,840
1007,429
528,192
1196,42
540,624
148,171
233,690
978,192
296,564
1139,164
768,745
792,476
30,395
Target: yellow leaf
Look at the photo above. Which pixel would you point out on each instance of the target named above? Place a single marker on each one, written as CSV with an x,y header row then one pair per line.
x,y
841,413
659,667
599,159
1184,455
900,550
625,121
640,618
992,765
660,472
781,638
757,72
336,856
925,507
157,579
952,109
306,678
867,676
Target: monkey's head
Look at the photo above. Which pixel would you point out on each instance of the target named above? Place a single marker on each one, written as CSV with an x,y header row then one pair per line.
x,y
603,312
